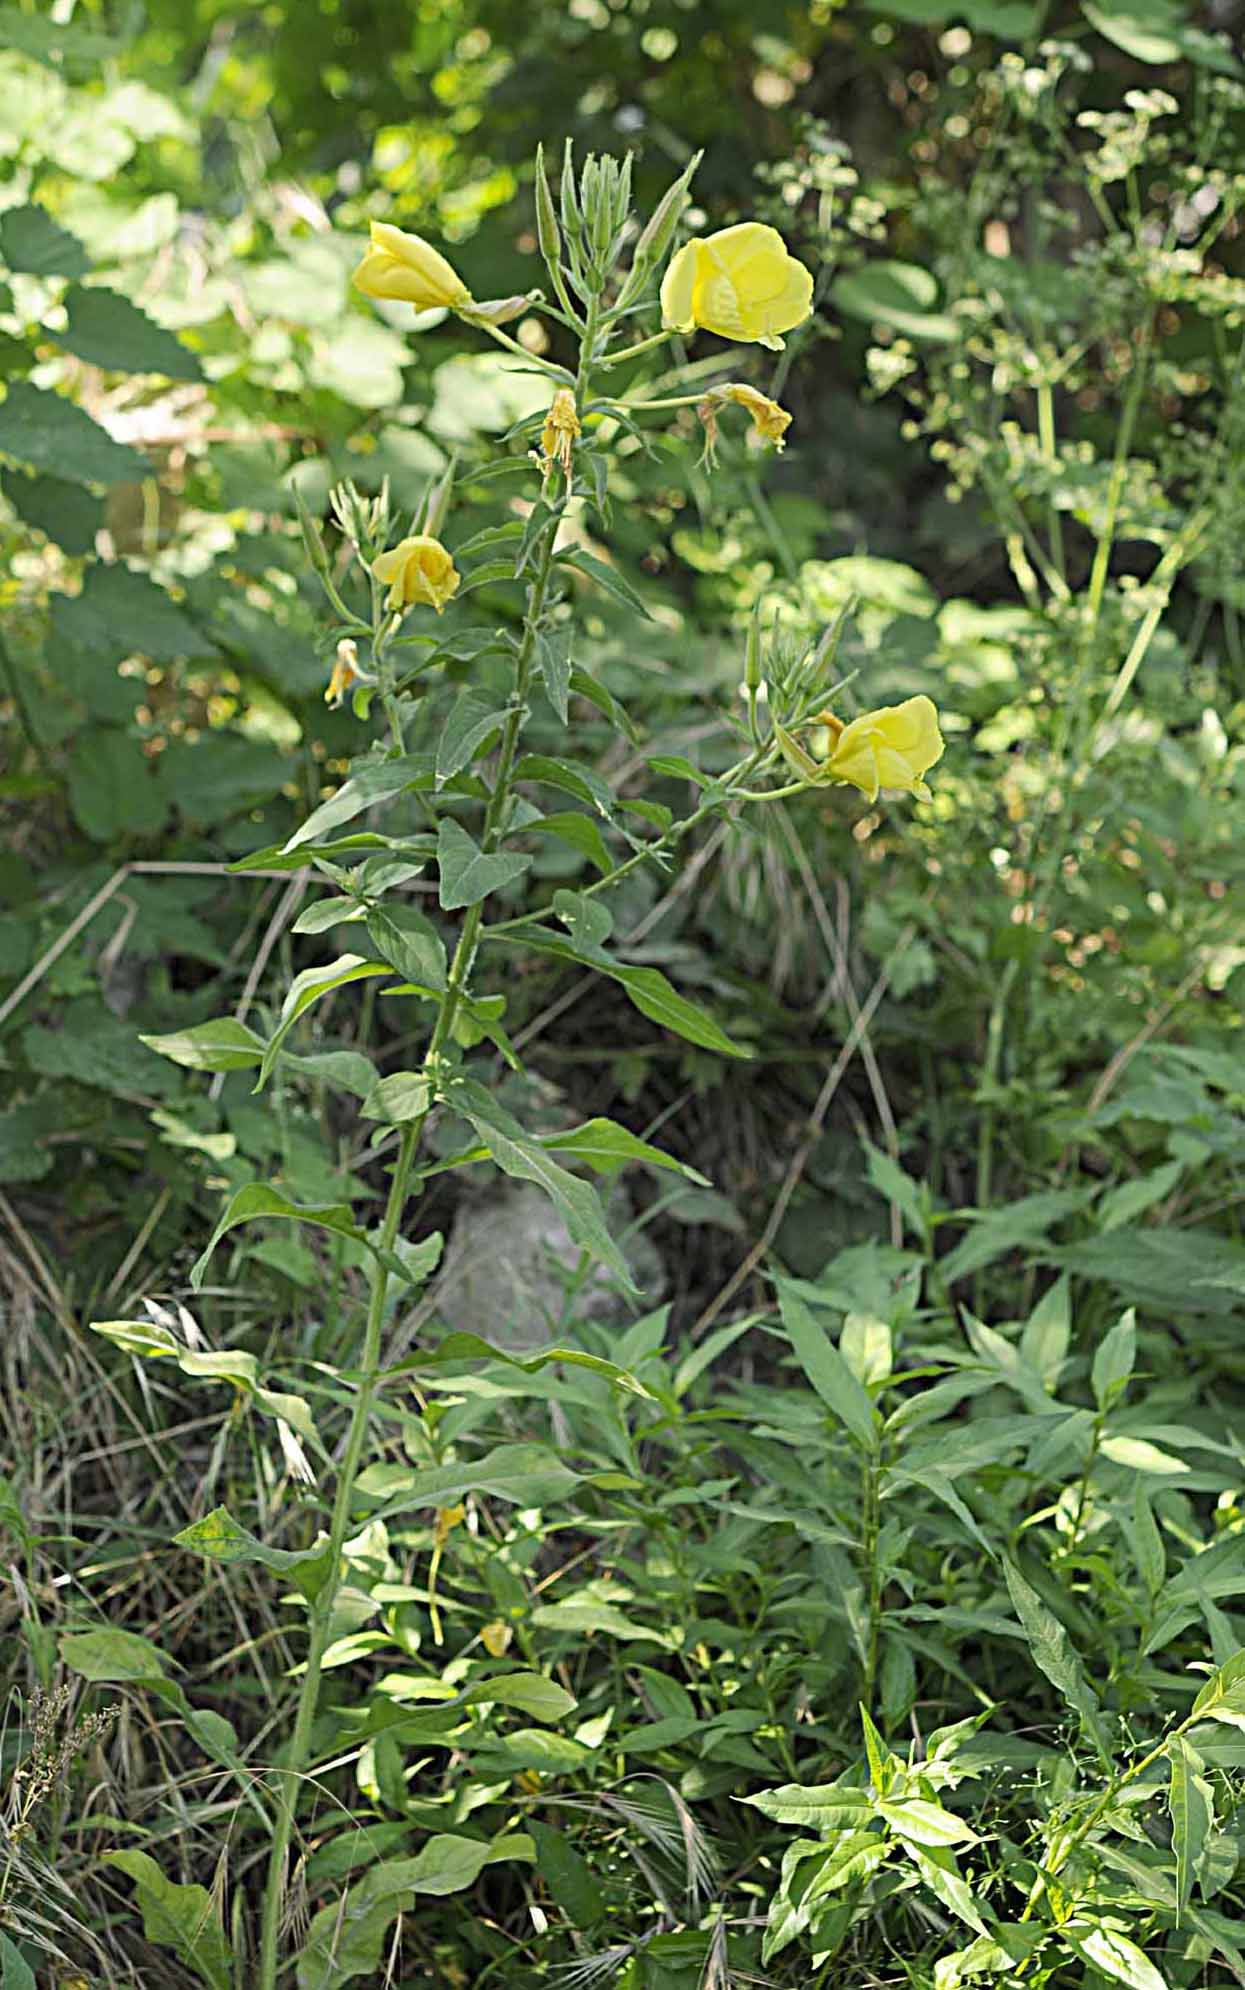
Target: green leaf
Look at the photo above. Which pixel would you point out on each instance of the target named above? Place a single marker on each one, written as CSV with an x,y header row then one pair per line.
x,y
995,1232
567,1875
529,1693
307,988
68,514
47,432
827,1371
587,920
347,1937
31,241
1132,1198
1136,1455
589,1613
900,295
941,1876
646,987
522,1474
402,1096
821,1807
15,1971
112,789
519,1155
1053,1654
411,944
107,330
1191,1802
118,613
1113,1361
222,1539
258,1199
468,874
580,831
473,721
1108,1950
924,1823
110,1658
147,1340
572,777
607,1147
1223,1695
460,1347
553,660
223,1045
890,1180
181,1918
607,577
584,685
373,784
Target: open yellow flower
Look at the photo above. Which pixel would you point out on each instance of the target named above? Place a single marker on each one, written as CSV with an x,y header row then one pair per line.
x,y
398,265
740,283
889,748
418,569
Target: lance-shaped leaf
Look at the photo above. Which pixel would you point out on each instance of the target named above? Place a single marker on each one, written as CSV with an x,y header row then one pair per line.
x,y
259,1199
378,782
223,1045
646,987
307,988
181,1918
1191,1802
1053,1654
223,1539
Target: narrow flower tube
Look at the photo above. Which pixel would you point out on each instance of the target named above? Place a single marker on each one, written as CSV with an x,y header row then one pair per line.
x,y
418,570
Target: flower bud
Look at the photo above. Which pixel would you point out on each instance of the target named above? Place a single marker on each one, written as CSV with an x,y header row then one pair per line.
x,y
398,265
437,503
752,654
546,219
656,235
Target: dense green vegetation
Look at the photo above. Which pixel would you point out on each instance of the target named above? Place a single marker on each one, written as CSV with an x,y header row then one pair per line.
x,y
673,1418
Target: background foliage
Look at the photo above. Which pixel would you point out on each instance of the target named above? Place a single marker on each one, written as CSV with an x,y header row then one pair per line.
x,y
1017,449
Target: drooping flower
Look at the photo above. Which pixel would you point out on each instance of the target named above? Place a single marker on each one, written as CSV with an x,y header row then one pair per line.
x,y
398,265
741,283
418,569
889,748
560,433
345,671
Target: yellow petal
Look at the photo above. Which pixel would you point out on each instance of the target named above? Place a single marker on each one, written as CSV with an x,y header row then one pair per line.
x,y
398,265
678,290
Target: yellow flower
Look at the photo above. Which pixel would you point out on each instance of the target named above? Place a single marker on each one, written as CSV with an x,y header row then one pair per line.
x,y
562,427
740,283
769,421
448,1517
889,748
418,569
406,267
496,1637
345,671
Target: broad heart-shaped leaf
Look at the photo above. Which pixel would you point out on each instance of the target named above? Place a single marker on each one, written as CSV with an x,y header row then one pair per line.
x,y
258,1199
1191,1801
1053,1654
646,987
31,241
47,432
518,1154
182,1918
521,1474
222,1539
307,988
468,874
410,943
107,330
378,781
898,294
827,1371
224,1045
472,722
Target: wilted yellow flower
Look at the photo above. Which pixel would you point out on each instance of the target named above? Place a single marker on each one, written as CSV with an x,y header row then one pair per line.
x,y
448,1517
740,283
562,427
889,748
406,267
769,421
418,569
345,671
496,1637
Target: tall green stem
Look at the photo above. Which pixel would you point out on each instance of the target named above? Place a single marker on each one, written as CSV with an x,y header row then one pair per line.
x,y
321,1619
322,1609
